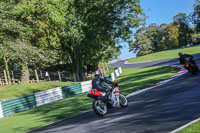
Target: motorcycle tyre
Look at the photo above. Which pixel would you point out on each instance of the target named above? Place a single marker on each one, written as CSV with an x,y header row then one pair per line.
x,y
97,111
122,105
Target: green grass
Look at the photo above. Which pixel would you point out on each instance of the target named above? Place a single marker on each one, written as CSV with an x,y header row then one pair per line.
x,y
130,80
134,79
45,114
193,128
111,70
166,54
11,91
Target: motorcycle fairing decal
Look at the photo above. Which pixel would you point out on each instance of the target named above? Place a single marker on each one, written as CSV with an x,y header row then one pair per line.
x,y
95,92
115,92
187,64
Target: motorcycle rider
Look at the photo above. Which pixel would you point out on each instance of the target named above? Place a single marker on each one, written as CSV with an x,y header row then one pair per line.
x,y
183,58
97,84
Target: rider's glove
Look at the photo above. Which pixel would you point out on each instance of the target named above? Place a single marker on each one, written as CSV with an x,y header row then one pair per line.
x,y
114,84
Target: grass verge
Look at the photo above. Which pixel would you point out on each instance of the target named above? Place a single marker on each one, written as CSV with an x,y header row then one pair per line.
x,y
193,128
130,80
166,54
11,91
45,114
134,79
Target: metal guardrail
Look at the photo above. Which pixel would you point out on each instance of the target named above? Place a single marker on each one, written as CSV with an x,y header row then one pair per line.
x,y
47,96
18,104
71,90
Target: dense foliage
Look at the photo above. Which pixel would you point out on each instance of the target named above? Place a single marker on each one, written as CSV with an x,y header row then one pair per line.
x,y
182,31
40,33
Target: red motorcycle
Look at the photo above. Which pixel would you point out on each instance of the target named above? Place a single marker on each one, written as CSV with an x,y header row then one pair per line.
x,y
100,105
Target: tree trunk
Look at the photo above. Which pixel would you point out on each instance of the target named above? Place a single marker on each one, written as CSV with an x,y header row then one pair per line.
x,y
25,73
77,68
7,70
81,73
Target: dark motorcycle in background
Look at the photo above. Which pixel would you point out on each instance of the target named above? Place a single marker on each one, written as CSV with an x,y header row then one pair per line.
x,y
192,68
101,106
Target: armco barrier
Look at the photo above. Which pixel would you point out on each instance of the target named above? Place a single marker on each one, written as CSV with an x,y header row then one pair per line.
x,y
71,90
26,102
117,72
19,104
1,112
86,86
47,96
113,76
120,70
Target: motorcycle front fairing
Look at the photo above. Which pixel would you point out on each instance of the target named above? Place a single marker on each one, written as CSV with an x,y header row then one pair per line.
x,y
115,97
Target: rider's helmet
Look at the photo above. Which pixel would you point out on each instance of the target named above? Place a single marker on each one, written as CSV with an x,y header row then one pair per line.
x,y
97,73
180,54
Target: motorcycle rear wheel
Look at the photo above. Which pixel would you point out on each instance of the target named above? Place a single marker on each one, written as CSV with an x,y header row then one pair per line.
x,y
99,108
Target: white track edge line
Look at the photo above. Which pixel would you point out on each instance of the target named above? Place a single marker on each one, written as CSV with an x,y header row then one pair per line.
x,y
182,127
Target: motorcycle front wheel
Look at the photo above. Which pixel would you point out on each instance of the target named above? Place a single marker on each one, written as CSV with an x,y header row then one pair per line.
x,y
123,101
99,108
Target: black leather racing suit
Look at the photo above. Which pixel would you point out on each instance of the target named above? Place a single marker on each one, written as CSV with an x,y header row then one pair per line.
x,y
97,84
183,58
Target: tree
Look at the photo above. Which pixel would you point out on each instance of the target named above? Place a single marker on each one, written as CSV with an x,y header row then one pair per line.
x,y
194,19
166,36
155,38
10,31
184,37
172,36
148,40
100,25
163,35
86,32
15,44
143,44
195,16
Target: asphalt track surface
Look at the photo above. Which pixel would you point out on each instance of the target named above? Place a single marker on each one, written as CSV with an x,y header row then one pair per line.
x,y
166,62
160,110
